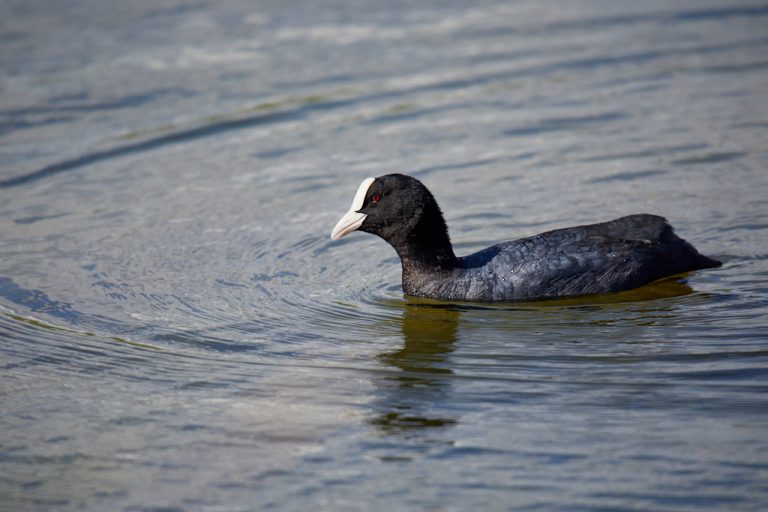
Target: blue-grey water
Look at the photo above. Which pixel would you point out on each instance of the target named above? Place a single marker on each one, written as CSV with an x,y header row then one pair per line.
x,y
178,332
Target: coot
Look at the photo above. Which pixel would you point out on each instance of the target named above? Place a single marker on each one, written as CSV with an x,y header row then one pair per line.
x,y
599,258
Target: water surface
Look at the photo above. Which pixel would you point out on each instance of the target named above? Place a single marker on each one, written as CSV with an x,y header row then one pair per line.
x,y
178,332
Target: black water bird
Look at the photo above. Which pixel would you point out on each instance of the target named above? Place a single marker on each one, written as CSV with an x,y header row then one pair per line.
x,y
599,258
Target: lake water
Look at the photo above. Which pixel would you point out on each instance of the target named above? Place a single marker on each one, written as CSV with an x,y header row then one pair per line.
x,y
178,332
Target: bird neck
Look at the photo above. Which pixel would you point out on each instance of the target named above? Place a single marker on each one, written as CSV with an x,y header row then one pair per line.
x,y
426,248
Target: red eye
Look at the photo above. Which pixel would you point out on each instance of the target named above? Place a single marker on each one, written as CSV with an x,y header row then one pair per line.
x,y
375,198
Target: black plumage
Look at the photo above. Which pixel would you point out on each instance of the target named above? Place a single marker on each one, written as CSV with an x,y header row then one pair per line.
x,y
598,258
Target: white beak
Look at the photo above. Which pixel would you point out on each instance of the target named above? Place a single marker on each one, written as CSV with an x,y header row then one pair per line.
x,y
353,219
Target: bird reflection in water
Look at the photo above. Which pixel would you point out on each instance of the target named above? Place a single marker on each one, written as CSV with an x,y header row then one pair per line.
x,y
414,396
424,377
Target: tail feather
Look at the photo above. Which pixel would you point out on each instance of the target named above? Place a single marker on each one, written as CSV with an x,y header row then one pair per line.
x,y
694,260
705,261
